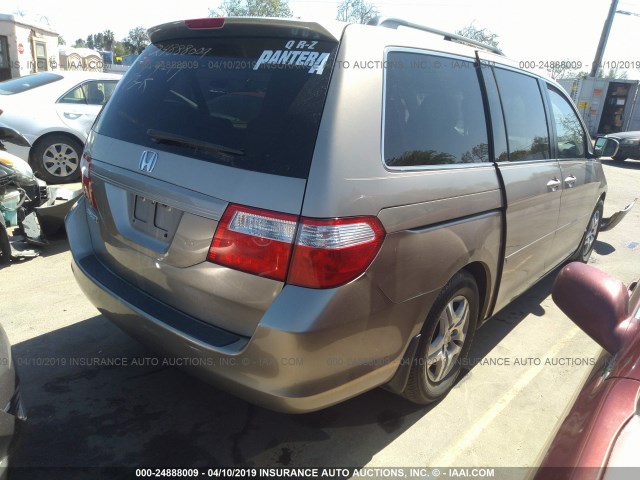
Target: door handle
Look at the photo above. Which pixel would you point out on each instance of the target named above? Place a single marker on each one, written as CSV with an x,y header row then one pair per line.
x,y
553,185
570,181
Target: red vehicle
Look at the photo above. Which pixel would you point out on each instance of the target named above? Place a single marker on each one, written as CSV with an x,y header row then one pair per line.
x,y
602,430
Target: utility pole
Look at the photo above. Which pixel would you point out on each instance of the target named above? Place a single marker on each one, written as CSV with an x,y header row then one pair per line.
x,y
603,39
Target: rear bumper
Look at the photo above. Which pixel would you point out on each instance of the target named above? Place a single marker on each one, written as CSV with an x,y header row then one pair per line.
x,y
311,349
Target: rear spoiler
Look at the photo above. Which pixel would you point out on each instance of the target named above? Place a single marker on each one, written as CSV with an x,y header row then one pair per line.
x,y
247,27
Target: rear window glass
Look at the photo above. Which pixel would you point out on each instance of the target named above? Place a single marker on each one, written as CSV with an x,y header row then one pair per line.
x,y
253,103
22,84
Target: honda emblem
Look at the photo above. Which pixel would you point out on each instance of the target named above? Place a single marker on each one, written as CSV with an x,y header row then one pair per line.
x,y
148,161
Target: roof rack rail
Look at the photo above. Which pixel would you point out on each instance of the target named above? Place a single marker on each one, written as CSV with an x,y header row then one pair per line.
x,y
391,22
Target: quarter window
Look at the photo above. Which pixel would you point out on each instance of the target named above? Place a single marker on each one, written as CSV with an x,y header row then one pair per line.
x,y
527,133
433,112
569,132
90,93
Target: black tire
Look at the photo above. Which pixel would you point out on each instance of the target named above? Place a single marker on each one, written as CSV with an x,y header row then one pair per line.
x,y
441,353
619,158
5,245
56,158
590,235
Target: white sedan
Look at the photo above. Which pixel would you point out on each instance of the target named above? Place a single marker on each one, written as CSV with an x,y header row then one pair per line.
x,y
54,112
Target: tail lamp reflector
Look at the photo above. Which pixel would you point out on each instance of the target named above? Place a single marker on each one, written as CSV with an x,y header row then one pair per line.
x,y
309,252
87,186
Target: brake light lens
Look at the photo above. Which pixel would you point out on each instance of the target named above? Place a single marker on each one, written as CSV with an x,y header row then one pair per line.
x,y
196,23
332,252
254,241
313,253
87,187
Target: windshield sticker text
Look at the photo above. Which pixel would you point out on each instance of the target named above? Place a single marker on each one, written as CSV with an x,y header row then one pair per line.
x,y
315,60
300,45
180,49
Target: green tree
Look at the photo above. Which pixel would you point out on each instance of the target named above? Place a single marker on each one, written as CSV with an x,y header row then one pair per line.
x,y
562,69
97,41
119,49
479,153
422,157
61,40
357,11
483,35
136,41
614,73
252,8
94,41
108,39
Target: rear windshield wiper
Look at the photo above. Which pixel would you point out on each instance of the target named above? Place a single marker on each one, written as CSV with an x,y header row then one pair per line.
x,y
171,138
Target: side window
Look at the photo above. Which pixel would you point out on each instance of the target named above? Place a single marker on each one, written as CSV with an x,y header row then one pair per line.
x,y
500,147
74,96
527,132
109,87
433,112
90,93
569,132
94,93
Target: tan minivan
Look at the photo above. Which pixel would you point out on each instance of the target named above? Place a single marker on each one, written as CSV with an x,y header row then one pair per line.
x,y
303,211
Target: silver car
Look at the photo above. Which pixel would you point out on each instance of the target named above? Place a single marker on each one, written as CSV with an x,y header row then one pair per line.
x,y
301,212
54,111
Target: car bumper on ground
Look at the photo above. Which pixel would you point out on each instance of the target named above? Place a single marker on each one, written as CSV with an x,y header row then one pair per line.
x,y
610,222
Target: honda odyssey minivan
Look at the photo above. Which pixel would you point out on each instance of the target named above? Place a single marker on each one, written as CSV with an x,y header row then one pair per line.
x,y
304,211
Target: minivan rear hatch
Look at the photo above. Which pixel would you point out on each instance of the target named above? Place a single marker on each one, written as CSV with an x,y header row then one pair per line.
x,y
214,112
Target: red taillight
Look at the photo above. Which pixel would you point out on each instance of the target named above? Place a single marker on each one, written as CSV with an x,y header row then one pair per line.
x,y
255,241
87,187
326,252
332,252
205,23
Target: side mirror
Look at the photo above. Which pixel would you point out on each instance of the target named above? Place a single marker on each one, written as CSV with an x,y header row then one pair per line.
x,y
606,147
596,302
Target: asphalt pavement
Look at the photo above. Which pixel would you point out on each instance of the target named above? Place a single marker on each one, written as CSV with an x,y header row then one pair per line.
x,y
96,398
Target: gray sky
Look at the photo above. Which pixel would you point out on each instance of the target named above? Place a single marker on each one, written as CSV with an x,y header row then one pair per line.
x,y
540,31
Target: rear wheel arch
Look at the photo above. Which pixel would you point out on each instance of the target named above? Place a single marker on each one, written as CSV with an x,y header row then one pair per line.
x,y
480,272
45,136
444,341
590,235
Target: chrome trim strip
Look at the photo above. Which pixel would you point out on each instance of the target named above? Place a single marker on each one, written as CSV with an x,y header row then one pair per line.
x,y
172,196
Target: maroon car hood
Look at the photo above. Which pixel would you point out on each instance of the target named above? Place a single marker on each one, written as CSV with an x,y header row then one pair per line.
x,y
582,447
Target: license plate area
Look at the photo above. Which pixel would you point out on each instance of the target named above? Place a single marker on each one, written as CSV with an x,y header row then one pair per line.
x,y
155,219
